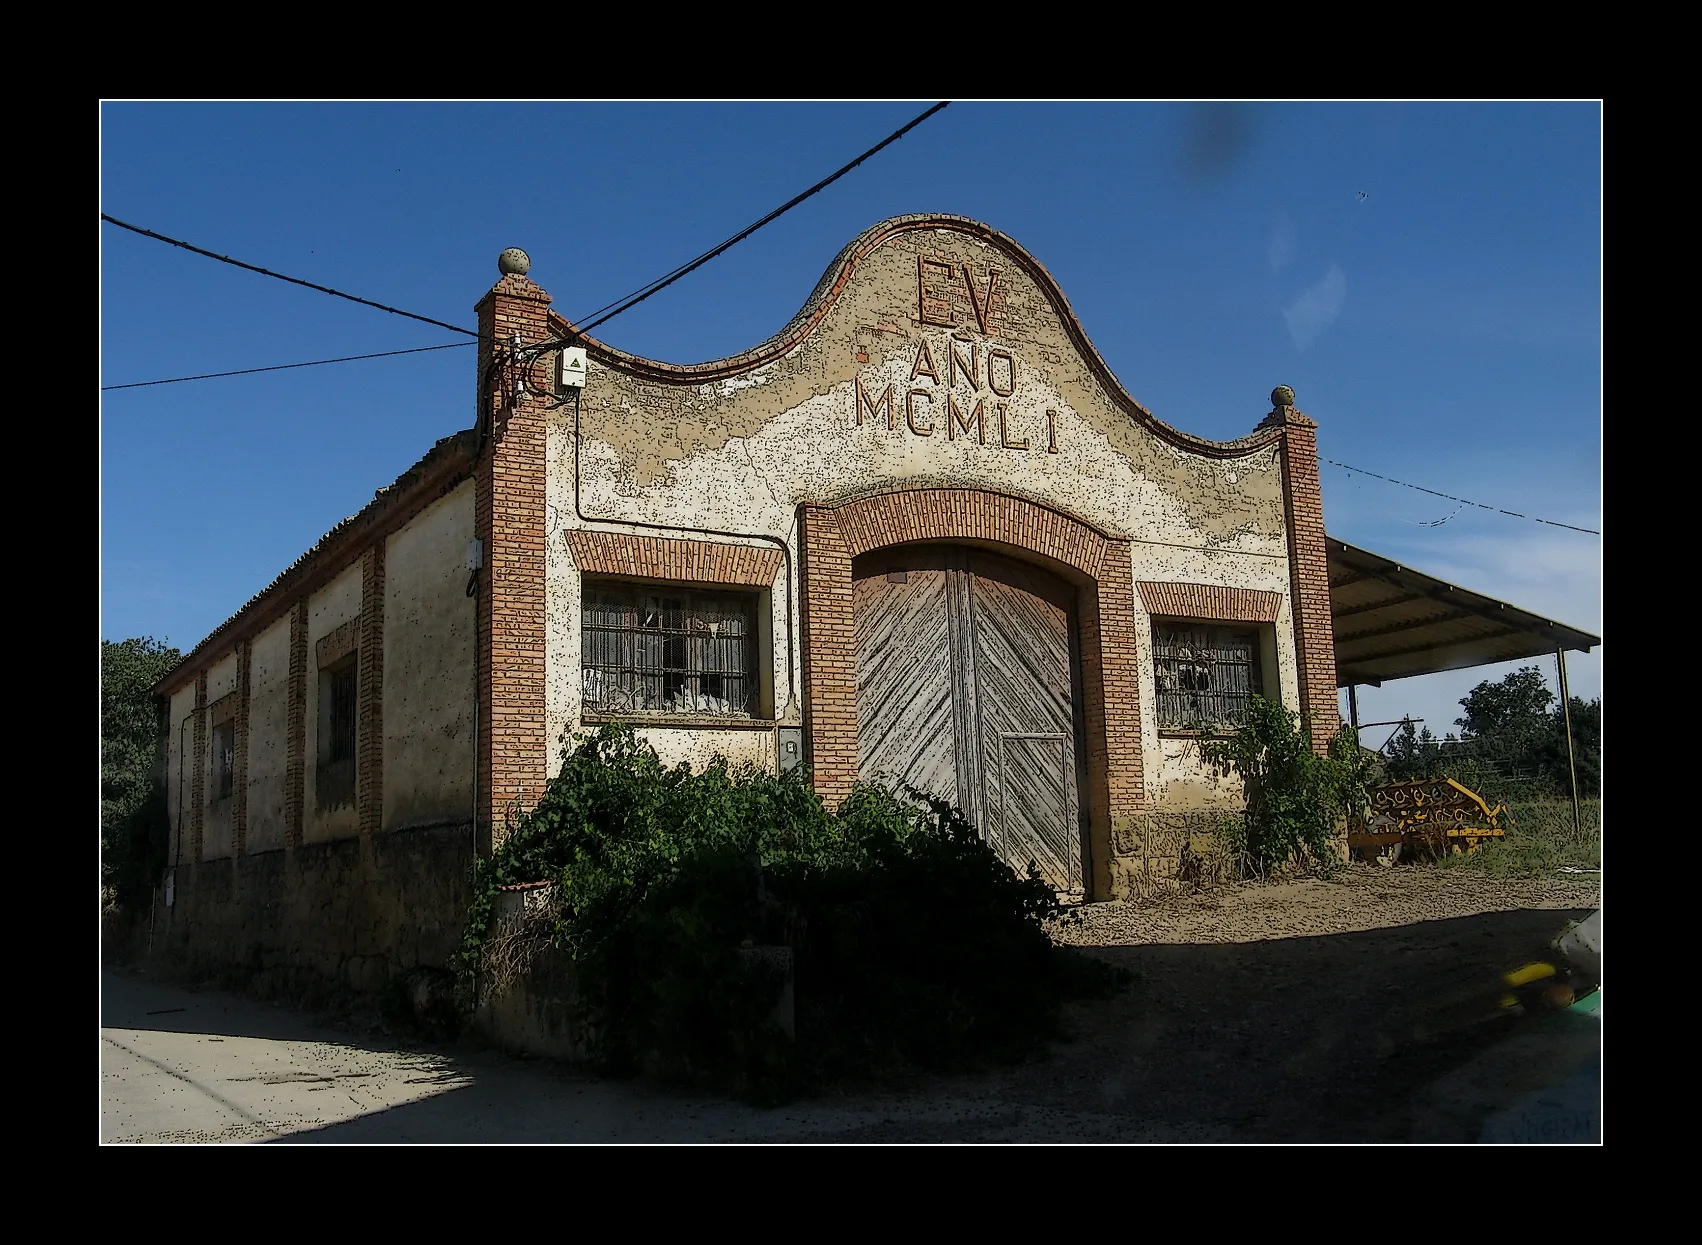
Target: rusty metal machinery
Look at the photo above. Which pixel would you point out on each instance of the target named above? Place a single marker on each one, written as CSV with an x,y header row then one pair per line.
x,y
1430,816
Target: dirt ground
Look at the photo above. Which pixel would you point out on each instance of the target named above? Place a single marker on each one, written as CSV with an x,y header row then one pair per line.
x,y
1361,1009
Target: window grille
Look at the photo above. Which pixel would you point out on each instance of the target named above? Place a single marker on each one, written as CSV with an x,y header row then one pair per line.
x,y
224,759
655,650
335,782
1206,675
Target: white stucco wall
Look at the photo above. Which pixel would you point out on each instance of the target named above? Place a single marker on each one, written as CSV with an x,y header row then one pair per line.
x,y
429,676
216,828
180,765
329,608
268,737
742,453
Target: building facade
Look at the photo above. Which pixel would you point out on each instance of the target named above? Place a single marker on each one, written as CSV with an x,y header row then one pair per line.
x,y
920,537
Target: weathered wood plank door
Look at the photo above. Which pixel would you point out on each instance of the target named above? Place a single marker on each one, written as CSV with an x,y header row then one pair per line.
x,y
966,689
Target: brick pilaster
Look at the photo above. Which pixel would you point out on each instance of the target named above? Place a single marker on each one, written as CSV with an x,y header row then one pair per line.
x,y
1108,649
509,520
198,785
295,748
369,737
830,654
1309,573
239,795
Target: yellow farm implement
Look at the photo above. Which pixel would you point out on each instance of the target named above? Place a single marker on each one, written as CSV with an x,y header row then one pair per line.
x,y
1432,816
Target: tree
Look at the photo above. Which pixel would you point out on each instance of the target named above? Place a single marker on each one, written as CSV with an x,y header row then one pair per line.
x,y
1411,754
1512,740
132,801
1516,705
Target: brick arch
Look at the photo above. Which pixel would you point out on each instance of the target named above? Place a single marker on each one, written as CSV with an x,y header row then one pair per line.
x,y
1098,563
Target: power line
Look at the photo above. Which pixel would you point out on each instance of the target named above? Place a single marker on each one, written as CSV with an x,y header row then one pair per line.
x,y
282,367
323,289
661,283
619,305
1590,531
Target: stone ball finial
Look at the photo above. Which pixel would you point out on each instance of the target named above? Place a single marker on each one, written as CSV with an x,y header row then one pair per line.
x,y
1282,395
514,262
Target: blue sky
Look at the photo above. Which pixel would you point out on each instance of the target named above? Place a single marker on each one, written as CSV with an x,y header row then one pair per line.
x,y
1444,329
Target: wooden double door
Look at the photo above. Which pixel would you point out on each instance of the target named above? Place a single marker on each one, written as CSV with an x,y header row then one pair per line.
x,y
968,689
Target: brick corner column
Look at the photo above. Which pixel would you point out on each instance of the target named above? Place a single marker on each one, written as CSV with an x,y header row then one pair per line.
x,y
369,751
830,654
509,503
1309,573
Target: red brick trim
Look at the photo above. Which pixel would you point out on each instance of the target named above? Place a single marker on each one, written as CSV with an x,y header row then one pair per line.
x,y
223,709
672,559
369,745
239,796
1309,573
335,645
1214,602
509,510
1100,566
198,785
295,746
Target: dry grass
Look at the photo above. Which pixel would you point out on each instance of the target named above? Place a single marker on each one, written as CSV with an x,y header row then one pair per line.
x,y
1541,840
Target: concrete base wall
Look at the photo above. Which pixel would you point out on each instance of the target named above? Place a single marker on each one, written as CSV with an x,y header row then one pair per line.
x,y
536,1013
350,914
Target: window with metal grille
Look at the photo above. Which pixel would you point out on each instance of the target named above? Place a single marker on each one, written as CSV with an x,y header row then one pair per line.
x,y
649,649
224,760
335,778
1205,674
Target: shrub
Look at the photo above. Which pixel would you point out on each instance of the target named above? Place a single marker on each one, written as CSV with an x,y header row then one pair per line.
x,y
914,945
1296,799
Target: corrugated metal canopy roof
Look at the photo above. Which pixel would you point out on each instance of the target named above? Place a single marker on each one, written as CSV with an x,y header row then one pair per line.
x,y
1392,622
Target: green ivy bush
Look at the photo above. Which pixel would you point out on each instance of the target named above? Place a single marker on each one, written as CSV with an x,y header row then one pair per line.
x,y
914,946
1296,800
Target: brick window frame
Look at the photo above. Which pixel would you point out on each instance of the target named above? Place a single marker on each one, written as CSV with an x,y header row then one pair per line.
x,y
691,566
1214,614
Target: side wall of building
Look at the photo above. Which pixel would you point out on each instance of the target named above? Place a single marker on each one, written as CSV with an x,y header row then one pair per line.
x,y
276,884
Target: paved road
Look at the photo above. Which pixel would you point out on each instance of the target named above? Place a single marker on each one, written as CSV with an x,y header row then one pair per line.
x,y
202,1066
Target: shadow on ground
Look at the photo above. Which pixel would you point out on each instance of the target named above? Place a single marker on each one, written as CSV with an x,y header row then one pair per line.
x,y
1382,1035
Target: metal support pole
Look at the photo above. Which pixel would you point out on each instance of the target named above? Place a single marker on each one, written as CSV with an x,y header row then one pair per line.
x,y
1353,709
1571,760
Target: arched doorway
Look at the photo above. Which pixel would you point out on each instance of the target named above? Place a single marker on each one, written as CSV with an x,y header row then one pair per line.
x,y
969,688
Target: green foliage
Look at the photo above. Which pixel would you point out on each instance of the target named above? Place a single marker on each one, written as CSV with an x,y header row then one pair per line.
x,y
133,823
914,945
1511,745
1296,799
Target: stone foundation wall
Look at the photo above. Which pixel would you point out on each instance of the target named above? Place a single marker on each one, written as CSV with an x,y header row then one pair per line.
x,y
347,915
1153,853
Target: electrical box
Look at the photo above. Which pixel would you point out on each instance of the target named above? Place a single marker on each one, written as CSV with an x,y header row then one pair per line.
x,y
791,747
573,368
475,555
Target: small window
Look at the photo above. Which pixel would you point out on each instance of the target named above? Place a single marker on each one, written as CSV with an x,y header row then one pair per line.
x,y
645,649
1206,675
335,778
224,759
